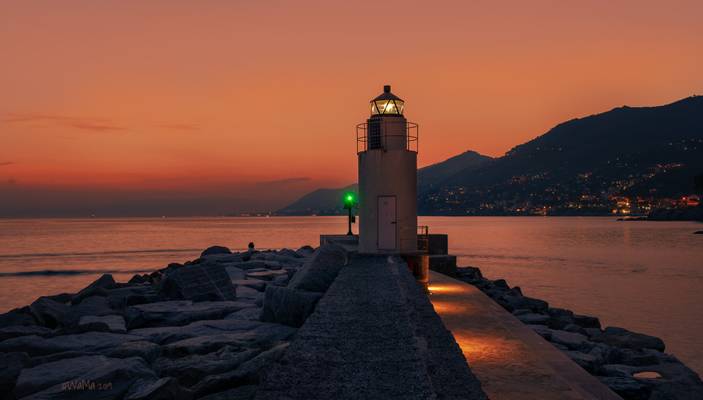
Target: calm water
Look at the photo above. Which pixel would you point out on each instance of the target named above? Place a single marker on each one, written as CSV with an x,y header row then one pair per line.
x,y
645,276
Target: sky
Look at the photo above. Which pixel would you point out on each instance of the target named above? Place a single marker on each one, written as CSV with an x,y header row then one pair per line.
x,y
209,107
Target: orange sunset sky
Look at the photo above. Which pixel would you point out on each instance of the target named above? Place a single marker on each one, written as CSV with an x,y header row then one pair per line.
x,y
245,105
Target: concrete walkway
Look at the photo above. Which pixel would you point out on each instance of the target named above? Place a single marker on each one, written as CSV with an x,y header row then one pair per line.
x,y
511,361
374,335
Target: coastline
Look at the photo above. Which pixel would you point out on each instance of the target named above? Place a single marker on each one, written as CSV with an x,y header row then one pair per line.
x,y
169,327
185,331
633,365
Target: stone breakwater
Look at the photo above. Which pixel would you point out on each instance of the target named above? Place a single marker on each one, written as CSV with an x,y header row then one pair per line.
x,y
208,328
633,365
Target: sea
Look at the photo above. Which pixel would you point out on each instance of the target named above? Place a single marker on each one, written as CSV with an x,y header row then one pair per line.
x,y
645,276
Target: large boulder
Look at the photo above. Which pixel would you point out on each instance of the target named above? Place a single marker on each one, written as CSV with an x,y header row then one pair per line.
x,y
667,380
215,250
281,280
97,288
235,273
9,332
248,265
143,349
266,275
288,253
89,377
198,282
256,284
38,360
573,341
247,314
262,337
163,389
559,318
621,337
107,323
533,319
93,305
248,372
320,270
627,387
119,298
10,366
288,306
181,312
252,369
86,342
513,300
49,313
586,321
43,376
245,293
305,251
587,361
190,369
18,316
542,330
165,335
469,274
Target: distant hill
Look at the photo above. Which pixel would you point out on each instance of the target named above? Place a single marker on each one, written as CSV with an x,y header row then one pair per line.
x,y
577,168
652,152
434,175
329,201
318,202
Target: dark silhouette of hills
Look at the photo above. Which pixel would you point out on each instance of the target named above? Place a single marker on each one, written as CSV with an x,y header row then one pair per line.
x,y
650,152
329,201
431,177
324,201
579,167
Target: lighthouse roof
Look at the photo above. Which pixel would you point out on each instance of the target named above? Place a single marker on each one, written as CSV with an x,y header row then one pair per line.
x,y
387,95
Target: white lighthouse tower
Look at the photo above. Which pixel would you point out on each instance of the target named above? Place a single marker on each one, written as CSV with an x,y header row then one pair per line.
x,y
387,150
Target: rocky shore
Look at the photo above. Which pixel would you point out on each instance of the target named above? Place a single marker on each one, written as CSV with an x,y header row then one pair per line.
x,y
193,330
633,365
215,328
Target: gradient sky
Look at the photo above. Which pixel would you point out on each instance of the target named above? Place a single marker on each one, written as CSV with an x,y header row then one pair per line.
x,y
242,105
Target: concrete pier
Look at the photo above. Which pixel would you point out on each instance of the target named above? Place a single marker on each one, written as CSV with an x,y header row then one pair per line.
x,y
374,335
511,361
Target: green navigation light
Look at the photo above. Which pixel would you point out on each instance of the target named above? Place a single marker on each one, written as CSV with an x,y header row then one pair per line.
x,y
349,203
349,200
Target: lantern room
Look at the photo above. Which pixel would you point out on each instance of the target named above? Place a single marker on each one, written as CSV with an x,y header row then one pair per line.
x,y
387,103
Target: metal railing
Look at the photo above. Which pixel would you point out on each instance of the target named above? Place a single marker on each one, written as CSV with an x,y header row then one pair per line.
x,y
379,140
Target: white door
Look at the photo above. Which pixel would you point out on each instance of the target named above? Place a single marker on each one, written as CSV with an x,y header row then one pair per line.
x,y
386,223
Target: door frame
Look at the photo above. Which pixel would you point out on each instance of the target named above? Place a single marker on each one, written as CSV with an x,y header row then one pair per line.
x,y
394,222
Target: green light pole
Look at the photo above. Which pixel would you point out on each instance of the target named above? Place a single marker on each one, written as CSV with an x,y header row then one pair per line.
x,y
349,203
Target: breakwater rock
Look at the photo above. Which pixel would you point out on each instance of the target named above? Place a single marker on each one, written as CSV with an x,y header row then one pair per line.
x,y
633,365
207,329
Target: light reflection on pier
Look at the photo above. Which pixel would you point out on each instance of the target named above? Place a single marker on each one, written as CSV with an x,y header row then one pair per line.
x,y
510,360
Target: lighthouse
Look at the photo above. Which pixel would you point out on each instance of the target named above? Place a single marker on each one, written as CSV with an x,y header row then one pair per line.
x,y
387,147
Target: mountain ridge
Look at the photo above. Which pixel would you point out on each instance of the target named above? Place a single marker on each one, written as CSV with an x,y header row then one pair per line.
x,y
327,201
581,166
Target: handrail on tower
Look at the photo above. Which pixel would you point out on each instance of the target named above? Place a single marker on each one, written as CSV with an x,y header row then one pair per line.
x,y
365,142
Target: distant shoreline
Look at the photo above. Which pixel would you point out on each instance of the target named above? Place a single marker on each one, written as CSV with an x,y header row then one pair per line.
x,y
614,217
